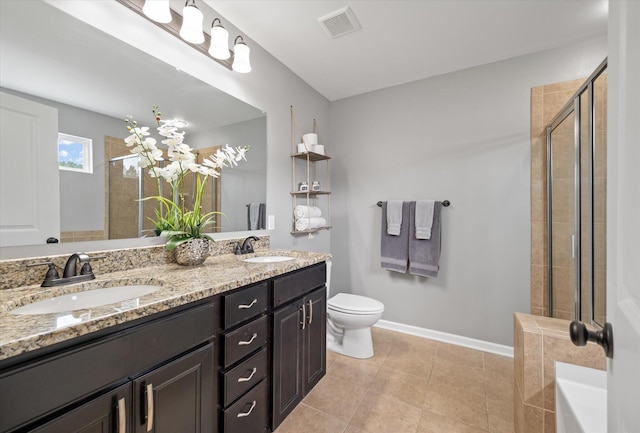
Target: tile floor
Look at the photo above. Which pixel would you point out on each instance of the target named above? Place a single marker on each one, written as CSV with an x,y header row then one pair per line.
x,y
411,385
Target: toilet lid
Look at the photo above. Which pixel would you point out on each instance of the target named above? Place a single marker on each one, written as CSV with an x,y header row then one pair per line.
x,y
355,304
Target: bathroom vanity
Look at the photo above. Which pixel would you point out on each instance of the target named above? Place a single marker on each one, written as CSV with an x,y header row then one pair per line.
x,y
229,346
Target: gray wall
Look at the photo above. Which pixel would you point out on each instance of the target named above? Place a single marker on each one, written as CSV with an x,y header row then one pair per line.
x,y
462,136
245,183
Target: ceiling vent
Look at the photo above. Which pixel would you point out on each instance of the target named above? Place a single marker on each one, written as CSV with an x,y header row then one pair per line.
x,y
340,22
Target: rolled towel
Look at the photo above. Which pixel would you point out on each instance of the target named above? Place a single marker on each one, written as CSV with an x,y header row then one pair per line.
x,y
301,211
310,223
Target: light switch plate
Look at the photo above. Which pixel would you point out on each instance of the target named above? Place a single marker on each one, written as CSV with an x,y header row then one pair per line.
x,y
271,222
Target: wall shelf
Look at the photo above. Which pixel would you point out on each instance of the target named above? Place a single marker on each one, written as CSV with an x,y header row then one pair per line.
x,y
310,172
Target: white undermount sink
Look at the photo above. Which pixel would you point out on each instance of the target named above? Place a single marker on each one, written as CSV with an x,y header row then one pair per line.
x,y
581,399
87,299
268,259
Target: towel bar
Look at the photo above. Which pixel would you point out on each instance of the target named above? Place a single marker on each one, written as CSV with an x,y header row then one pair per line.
x,y
445,203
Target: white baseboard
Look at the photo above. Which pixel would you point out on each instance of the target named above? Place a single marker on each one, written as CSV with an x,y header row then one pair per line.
x,y
485,346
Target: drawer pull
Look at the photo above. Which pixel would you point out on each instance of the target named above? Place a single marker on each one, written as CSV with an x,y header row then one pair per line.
x,y
246,343
247,379
243,414
310,311
246,307
304,315
150,407
122,416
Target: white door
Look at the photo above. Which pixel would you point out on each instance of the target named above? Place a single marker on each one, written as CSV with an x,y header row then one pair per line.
x,y
29,179
623,210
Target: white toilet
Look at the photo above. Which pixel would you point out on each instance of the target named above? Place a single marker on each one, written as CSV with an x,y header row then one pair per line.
x,y
349,321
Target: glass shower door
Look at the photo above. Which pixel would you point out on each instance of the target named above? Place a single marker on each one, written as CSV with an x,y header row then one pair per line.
x,y
562,239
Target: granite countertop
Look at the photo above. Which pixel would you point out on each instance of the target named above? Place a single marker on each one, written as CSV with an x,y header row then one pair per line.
x,y
179,285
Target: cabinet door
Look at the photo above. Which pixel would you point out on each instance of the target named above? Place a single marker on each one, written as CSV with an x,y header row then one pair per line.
x,y
287,390
109,413
315,339
178,397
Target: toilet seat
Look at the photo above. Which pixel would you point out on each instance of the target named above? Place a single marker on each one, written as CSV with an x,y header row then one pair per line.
x,y
354,304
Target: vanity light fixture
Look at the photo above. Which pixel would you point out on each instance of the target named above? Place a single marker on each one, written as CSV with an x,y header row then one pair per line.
x,y
157,10
192,18
188,26
241,56
219,48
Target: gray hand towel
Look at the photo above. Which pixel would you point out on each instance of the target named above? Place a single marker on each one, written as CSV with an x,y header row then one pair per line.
x,y
254,212
394,249
424,254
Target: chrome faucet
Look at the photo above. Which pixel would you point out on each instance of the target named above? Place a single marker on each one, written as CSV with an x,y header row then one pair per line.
x,y
247,246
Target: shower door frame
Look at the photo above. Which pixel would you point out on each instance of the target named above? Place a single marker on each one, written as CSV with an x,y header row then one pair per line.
x,y
574,106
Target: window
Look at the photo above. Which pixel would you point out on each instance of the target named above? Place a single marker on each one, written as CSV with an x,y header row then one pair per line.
x,y
74,153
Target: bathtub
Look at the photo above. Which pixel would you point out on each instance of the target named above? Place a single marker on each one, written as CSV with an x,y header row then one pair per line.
x,y
581,399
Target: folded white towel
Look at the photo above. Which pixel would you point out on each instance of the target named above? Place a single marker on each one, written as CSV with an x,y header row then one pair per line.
x,y
310,223
424,218
301,211
394,217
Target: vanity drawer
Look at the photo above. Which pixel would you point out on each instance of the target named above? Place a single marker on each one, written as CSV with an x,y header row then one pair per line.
x,y
250,413
244,340
244,376
245,304
298,283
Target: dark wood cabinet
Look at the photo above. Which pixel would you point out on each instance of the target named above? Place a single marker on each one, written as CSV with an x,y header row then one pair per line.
x,y
299,350
106,414
73,390
177,397
244,341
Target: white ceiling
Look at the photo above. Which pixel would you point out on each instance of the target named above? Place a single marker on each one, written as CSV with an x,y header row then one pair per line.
x,y
406,40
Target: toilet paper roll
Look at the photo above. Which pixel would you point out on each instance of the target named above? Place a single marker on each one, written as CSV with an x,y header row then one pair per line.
x,y
310,139
303,148
318,148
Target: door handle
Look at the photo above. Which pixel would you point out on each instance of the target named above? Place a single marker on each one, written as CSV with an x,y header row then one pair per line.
x,y
247,306
580,335
310,311
304,316
246,343
243,414
247,379
122,415
149,394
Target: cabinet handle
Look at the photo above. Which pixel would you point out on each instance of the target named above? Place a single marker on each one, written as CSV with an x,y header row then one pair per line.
x,y
304,316
246,307
310,311
150,407
243,414
247,379
246,343
122,415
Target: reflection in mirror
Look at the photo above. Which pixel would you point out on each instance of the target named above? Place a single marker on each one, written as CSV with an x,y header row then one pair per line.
x,y
93,81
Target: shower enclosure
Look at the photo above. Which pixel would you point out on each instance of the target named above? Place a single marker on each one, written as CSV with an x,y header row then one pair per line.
x,y
576,194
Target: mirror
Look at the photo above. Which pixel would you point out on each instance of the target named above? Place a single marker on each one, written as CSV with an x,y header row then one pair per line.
x,y
94,81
